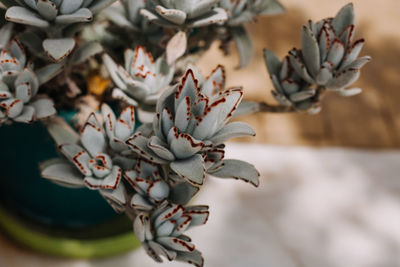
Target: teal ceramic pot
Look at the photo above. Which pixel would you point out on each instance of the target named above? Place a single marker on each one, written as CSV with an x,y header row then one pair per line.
x,y
29,198
22,189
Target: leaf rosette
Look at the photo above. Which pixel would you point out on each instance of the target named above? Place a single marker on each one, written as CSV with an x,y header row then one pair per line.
x,y
191,121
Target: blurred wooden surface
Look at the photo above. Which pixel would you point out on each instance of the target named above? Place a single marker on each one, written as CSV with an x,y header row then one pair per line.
x,y
371,119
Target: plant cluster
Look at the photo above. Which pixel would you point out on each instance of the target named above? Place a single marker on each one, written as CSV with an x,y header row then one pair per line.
x,y
149,126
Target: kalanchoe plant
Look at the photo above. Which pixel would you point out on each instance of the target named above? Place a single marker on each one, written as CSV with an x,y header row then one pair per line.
x,y
192,121
53,17
151,188
328,60
162,232
241,11
97,161
127,15
129,26
290,89
46,13
19,86
141,80
118,129
152,170
184,14
329,57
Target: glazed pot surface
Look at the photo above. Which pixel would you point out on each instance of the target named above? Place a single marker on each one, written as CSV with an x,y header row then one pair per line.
x,y
25,192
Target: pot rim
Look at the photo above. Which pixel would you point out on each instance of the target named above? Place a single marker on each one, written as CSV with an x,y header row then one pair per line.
x,y
67,247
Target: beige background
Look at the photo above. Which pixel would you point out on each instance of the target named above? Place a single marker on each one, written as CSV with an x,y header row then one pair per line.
x,y
368,120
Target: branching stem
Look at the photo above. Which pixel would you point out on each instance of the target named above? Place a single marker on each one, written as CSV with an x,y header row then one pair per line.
x,y
265,107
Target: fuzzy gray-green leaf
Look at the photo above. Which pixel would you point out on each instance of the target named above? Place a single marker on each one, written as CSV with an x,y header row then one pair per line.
x,y
191,169
344,18
238,169
244,45
23,15
310,50
58,49
61,171
86,51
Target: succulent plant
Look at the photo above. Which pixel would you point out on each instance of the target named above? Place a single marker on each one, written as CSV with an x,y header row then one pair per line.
x,y
52,16
328,60
13,61
152,170
290,88
127,15
184,14
142,78
45,13
161,232
19,86
241,11
97,162
192,121
151,189
118,130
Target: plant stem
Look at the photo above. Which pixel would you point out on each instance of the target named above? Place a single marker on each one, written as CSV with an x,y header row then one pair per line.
x,y
130,212
265,107
320,92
